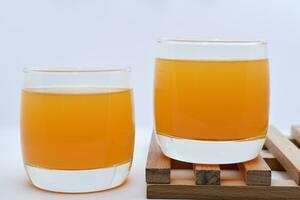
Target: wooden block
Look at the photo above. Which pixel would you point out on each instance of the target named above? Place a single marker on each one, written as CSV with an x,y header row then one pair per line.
x,y
273,163
176,164
285,151
158,165
214,192
229,167
296,134
256,172
232,178
271,160
207,174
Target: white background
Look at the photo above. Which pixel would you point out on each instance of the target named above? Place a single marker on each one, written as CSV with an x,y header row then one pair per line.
x,y
124,32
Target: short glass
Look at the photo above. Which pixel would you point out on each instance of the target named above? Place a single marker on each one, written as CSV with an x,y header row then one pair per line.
x,y
77,127
211,99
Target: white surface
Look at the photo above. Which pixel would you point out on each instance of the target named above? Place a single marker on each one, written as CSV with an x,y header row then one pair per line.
x,y
210,152
14,184
212,50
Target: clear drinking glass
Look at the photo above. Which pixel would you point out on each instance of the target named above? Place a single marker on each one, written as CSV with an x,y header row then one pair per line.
x,y
211,99
77,127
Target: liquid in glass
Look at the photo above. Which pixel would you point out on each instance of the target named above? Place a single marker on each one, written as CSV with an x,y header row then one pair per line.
x,y
77,128
211,100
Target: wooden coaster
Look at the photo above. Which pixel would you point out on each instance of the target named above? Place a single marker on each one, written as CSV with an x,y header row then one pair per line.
x,y
247,180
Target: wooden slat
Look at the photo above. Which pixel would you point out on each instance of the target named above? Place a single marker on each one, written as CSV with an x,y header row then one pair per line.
x,y
158,165
256,172
213,192
270,160
285,151
176,164
229,166
273,163
207,174
296,134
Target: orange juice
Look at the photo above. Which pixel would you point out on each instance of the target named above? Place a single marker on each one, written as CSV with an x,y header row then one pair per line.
x,y
77,128
211,100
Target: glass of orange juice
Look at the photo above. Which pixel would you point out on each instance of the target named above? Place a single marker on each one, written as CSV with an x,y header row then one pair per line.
x,y
77,127
211,99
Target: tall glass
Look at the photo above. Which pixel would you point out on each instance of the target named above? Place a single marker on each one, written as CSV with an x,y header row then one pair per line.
x,y
211,99
77,128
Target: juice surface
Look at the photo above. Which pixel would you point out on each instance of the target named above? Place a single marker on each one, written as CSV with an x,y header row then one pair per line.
x,y
212,100
77,128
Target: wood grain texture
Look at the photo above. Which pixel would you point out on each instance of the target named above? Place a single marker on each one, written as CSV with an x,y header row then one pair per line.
x,y
158,167
285,152
207,174
212,192
257,185
256,172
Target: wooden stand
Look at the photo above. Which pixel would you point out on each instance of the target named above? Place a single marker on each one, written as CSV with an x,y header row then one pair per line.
x,y
248,180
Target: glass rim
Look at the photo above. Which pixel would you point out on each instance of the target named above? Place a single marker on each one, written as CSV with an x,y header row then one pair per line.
x,y
74,69
211,41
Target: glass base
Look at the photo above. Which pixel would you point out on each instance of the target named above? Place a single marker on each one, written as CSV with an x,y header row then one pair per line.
x,y
78,181
210,152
